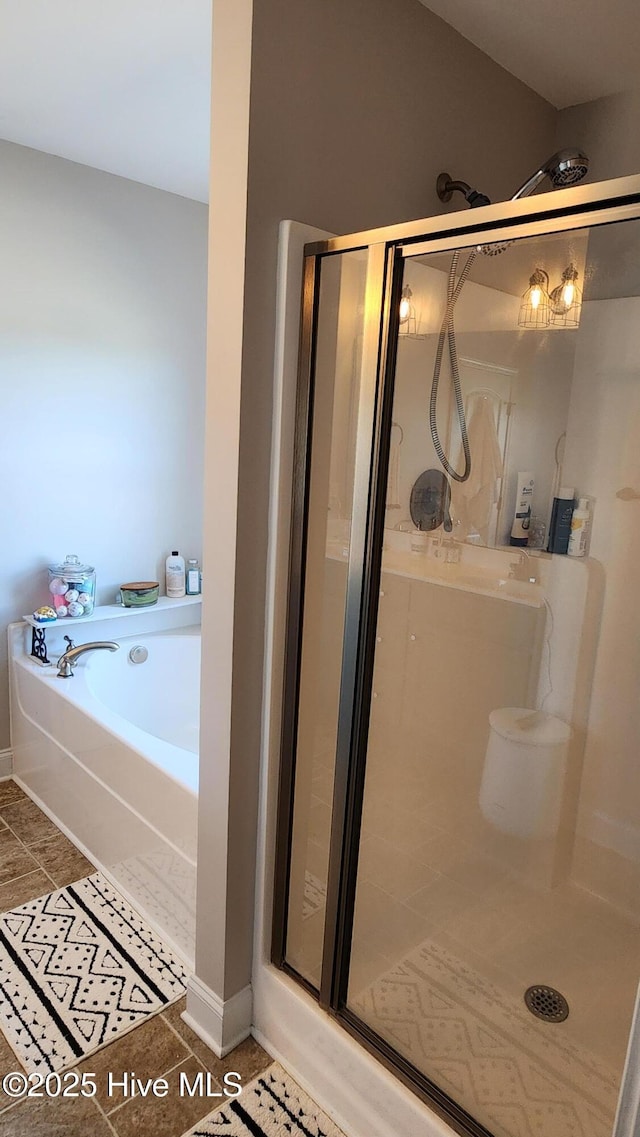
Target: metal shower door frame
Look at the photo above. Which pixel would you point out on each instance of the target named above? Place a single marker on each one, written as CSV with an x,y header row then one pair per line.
x,y
560,211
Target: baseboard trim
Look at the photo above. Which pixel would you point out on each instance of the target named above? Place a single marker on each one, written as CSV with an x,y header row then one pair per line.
x,y
221,1024
6,764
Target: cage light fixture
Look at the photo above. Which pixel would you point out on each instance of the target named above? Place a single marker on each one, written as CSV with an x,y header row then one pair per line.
x,y
535,307
407,314
566,300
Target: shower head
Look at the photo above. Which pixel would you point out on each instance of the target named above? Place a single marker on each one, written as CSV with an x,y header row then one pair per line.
x,y
565,168
570,167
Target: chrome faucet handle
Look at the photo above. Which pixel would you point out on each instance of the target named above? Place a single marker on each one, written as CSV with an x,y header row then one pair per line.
x,y
65,670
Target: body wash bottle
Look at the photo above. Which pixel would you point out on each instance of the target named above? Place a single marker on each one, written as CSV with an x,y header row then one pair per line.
x,y
175,575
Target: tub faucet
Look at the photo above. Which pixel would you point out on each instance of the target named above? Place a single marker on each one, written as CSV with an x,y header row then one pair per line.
x,y
66,661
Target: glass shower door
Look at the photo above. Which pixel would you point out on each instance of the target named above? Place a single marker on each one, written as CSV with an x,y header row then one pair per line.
x,y
488,950
329,410
458,872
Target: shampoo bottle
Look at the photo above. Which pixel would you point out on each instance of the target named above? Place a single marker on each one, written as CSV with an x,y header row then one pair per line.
x,y
175,576
520,527
560,524
580,525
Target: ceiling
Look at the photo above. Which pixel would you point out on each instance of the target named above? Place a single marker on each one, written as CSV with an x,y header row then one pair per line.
x,y
122,85
569,51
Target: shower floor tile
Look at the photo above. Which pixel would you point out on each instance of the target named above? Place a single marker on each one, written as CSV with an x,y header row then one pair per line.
x,y
491,903
482,1046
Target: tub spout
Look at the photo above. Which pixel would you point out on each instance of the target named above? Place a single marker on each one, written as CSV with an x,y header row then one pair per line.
x,y
66,661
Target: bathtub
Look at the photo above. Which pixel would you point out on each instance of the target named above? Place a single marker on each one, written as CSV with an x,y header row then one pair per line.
x,y
111,755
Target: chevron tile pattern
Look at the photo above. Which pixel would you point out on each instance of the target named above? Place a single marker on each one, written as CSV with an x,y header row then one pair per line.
x,y
517,1075
271,1106
79,968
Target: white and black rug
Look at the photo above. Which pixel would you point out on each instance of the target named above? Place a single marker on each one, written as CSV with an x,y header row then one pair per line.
x,y
315,895
514,1073
79,968
271,1106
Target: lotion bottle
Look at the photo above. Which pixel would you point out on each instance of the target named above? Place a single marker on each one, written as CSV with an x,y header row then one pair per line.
x,y
520,528
193,577
175,575
580,525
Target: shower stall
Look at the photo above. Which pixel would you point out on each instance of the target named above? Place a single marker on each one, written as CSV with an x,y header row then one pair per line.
x,y
458,841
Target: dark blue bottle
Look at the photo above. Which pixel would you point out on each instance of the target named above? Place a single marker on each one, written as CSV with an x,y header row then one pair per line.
x,y
560,524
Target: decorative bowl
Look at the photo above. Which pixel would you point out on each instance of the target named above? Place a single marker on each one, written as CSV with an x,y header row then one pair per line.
x,y
140,593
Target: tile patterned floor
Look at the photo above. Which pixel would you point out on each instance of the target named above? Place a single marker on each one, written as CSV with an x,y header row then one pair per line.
x,y
432,869
35,858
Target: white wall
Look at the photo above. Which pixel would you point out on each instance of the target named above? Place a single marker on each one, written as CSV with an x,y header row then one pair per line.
x,y
102,341
602,458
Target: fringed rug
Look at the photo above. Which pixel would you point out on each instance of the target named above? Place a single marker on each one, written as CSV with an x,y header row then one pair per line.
x,y
514,1073
271,1106
78,969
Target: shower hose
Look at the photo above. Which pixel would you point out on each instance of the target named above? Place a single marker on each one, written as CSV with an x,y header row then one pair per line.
x,y
447,333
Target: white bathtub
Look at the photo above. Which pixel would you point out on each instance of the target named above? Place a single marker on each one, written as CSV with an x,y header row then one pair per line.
x,y
112,756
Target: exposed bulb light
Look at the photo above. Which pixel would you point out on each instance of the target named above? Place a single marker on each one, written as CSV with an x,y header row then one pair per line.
x,y
405,304
566,300
534,308
407,313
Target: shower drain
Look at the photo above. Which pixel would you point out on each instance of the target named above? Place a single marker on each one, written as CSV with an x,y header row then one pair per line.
x,y
546,1003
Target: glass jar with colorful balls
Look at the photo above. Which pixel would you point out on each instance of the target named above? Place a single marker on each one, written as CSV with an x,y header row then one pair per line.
x,y
72,588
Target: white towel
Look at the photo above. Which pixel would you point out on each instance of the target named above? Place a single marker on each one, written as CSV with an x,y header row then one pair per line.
x,y
474,499
393,479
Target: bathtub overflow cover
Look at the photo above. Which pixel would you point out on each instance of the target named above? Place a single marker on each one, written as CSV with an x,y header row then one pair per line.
x,y
138,654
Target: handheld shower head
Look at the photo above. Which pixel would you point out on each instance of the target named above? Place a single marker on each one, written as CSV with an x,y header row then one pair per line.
x,y
569,167
565,168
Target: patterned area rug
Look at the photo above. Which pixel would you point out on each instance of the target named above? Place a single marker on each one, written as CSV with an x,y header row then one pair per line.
x,y
517,1075
271,1106
79,968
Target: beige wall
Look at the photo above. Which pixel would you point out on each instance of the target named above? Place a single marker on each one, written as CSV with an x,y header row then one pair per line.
x,y
356,106
607,130
102,365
